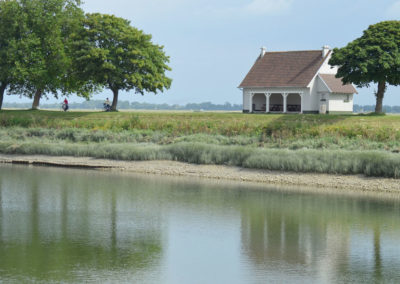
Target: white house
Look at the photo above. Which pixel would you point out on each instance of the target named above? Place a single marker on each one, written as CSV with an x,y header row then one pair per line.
x,y
295,82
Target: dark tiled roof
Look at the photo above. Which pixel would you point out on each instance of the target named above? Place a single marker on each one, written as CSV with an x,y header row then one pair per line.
x,y
284,69
336,84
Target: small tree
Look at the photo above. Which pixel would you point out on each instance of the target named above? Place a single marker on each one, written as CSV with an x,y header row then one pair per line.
x,y
374,57
117,56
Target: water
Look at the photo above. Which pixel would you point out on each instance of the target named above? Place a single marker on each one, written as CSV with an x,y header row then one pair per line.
x,y
63,225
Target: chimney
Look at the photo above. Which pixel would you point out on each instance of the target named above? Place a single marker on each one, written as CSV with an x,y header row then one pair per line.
x,y
325,50
263,51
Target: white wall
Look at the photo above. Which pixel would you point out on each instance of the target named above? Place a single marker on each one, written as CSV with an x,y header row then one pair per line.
x,y
337,102
312,102
326,68
317,86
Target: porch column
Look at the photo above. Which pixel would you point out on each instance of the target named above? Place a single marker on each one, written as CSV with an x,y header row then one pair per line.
x,y
285,102
251,102
301,102
267,96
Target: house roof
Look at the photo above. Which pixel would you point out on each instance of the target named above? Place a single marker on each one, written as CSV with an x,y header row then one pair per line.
x,y
284,69
336,85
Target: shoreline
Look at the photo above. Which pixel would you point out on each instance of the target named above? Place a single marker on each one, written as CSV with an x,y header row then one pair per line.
x,y
339,183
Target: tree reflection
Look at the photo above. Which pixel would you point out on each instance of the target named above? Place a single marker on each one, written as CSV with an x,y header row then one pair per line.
x,y
1,209
377,254
73,229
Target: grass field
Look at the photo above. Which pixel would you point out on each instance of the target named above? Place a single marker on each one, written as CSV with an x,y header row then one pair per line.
x,y
375,128
305,143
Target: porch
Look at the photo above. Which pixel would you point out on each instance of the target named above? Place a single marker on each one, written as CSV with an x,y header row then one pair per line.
x,y
276,103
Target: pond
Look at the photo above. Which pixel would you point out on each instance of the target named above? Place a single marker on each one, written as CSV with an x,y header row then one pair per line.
x,y
68,225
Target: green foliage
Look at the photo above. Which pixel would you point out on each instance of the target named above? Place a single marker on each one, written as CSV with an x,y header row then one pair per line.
x,y
117,56
374,57
43,59
38,51
12,30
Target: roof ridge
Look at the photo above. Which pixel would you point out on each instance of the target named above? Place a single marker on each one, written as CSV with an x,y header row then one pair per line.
x,y
287,51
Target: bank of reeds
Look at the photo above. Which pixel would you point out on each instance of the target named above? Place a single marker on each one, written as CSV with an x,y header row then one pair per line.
x,y
369,163
77,135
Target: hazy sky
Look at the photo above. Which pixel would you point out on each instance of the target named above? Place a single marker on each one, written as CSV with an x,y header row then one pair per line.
x,y
213,43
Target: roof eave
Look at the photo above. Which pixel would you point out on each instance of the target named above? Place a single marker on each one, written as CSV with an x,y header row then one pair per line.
x,y
266,87
326,85
317,73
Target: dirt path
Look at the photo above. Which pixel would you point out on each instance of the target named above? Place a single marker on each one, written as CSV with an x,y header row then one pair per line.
x,y
171,168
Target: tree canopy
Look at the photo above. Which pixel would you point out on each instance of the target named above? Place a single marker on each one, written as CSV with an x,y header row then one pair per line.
x,y
12,28
44,60
372,58
50,47
117,56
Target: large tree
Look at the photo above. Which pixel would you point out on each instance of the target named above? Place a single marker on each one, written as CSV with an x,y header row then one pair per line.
x,y
11,31
372,58
45,59
117,56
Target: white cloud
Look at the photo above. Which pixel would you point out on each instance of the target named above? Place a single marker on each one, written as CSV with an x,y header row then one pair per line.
x,y
394,10
268,6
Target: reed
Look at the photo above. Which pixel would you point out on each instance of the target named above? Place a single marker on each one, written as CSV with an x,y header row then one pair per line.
x,y
369,163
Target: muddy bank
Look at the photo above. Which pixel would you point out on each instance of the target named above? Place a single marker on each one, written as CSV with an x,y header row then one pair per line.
x,y
172,168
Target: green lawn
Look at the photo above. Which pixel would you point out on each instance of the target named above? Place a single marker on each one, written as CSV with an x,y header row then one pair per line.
x,y
375,128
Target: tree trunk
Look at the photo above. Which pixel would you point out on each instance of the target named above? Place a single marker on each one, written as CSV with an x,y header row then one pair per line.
x,y
115,100
379,96
2,91
36,99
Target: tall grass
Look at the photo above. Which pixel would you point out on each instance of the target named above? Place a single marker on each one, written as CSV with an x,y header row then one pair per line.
x,y
77,135
369,163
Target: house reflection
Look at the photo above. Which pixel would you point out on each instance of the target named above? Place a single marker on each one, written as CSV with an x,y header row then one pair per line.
x,y
300,233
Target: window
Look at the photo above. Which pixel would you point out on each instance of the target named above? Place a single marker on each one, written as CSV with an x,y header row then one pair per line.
x,y
347,99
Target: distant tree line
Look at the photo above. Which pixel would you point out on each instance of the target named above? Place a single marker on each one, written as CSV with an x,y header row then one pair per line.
x,y
207,106
371,108
50,48
98,104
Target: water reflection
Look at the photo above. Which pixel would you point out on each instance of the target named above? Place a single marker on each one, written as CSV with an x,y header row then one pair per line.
x,y
53,229
86,226
326,236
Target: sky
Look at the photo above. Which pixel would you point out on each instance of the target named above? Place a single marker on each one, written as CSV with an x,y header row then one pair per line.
x,y
212,44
